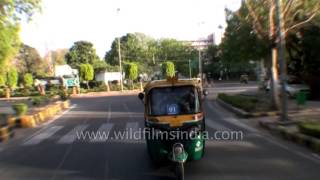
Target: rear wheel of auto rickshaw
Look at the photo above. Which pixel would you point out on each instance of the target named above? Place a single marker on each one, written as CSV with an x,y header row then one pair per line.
x,y
179,171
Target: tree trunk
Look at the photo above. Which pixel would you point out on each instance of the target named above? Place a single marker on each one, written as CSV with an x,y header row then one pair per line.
x,y
8,93
108,87
88,87
274,62
275,79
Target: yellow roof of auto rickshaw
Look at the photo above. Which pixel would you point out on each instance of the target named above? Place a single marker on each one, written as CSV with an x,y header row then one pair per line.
x,y
173,82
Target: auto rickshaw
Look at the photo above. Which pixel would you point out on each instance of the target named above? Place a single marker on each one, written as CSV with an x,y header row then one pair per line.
x,y
174,121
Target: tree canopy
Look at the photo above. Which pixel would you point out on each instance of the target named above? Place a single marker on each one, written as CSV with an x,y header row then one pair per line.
x,y
28,60
82,52
11,13
149,53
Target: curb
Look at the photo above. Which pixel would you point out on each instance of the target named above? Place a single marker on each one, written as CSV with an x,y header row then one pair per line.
x,y
6,132
299,138
39,117
241,113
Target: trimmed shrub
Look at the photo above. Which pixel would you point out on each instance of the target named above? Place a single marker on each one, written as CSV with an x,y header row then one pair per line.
x,y
38,100
28,80
243,102
20,108
310,128
168,69
63,96
12,78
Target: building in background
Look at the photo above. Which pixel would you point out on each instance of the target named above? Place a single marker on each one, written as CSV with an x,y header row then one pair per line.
x,y
202,43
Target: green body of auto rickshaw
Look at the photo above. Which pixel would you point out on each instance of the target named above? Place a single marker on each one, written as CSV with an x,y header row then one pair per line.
x,y
174,121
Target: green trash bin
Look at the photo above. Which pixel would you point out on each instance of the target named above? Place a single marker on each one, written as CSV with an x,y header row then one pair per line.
x,y
301,98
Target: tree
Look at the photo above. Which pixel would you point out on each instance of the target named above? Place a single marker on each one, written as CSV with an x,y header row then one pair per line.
x,y
11,13
28,80
57,57
168,69
100,66
82,52
131,70
260,17
86,73
11,81
134,46
12,78
28,60
2,80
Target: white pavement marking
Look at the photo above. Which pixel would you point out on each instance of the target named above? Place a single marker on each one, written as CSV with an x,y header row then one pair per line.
x,y
232,120
216,126
104,131
59,116
109,113
72,135
45,125
42,136
132,126
266,137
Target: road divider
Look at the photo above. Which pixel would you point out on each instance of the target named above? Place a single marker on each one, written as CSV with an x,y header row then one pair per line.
x,y
42,115
299,138
241,113
6,132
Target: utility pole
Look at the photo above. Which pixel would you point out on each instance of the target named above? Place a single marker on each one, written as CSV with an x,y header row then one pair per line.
x,y
190,68
120,64
200,64
119,55
282,63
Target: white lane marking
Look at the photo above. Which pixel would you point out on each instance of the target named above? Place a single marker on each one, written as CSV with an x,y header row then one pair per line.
x,y
216,126
274,142
127,141
232,120
42,136
109,113
59,116
72,135
268,138
132,127
103,132
45,125
231,144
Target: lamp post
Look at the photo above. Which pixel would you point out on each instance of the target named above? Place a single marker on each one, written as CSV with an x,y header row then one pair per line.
x,y
119,54
282,64
199,54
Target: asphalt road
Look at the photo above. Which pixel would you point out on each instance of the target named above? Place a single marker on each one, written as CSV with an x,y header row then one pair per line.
x,y
52,151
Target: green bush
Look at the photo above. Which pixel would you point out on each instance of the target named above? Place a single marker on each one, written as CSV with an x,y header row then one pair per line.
x,y
310,128
28,80
20,108
243,102
63,96
2,80
12,78
168,69
38,100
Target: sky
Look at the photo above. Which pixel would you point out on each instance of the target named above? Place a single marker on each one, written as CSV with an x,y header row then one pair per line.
x,y
62,22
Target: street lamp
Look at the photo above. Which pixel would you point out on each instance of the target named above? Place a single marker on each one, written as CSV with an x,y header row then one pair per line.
x,y
119,54
199,54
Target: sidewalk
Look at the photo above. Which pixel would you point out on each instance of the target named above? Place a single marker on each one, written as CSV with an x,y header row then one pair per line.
x,y
290,130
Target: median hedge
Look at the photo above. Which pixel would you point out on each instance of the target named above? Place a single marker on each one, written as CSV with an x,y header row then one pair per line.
x,y
246,103
310,128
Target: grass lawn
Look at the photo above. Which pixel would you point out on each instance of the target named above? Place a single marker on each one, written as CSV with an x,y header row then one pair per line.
x,y
254,103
